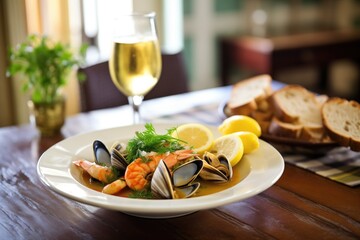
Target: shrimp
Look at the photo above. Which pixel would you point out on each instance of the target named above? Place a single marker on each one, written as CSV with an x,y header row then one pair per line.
x,y
137,172
101,173
114,187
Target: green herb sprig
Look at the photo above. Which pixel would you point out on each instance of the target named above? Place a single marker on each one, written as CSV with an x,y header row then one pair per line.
x,y
145,193
150,141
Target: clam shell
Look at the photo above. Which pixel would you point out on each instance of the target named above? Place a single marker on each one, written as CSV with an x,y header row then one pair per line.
x,y
118,160
178,184
120,147
118,156
161,185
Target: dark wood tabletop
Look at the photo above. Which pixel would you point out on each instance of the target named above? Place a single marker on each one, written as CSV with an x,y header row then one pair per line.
x,y
300,205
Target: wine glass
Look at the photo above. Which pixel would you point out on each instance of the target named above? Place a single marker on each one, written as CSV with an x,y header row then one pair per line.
x,y
135,61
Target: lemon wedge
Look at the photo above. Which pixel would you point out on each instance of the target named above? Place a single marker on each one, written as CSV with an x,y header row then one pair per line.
x,y
249,140
238,123
231,146
196,135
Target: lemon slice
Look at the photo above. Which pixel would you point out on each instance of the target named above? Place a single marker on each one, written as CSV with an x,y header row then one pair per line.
x,y
238,123
196,135
231,146
249,140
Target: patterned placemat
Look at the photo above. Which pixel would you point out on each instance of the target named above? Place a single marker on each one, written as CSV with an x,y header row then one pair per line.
x,y
340,164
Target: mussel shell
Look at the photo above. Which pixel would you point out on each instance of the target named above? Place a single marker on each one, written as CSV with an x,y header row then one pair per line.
x,y
217,168
187,191
222,173
211,159
187,172
101,153
210,173
224,161
161,185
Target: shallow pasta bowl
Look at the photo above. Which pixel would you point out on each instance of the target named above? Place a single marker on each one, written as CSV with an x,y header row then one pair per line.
x,y
260,170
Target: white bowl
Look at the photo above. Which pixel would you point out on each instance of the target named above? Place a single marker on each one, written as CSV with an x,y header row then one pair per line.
x,y
262,169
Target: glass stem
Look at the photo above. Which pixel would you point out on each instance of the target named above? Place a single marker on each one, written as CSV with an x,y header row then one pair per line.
x,y
135,102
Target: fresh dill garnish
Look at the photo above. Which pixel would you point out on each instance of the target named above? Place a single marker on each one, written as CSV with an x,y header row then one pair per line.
x,y
145,193
116,174
149,141
145,159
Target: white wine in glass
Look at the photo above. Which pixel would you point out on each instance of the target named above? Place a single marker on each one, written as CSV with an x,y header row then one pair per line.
x,y
135,61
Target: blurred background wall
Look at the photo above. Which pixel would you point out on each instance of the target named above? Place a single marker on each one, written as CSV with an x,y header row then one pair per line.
x,y
205,22
194,27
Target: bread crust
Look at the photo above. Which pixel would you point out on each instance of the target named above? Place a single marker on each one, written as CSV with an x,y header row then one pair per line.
x,y
290,94
261,116
283,129
343,138
316,134
245,109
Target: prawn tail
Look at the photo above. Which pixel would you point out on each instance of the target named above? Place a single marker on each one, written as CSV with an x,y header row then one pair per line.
x,y
83,164
101,173
114,187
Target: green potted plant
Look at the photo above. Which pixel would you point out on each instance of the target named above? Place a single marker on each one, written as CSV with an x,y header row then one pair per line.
x,y
45,66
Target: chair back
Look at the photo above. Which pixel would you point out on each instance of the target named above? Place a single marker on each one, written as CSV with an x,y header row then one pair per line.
x,y
98,91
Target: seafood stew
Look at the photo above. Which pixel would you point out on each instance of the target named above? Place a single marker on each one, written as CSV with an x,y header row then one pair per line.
x,y
168,169
240,171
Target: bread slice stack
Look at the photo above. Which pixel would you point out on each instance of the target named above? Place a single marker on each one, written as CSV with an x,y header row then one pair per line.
x,y
297,113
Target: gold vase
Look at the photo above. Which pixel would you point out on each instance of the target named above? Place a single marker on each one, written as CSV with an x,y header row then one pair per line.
x,y
48,117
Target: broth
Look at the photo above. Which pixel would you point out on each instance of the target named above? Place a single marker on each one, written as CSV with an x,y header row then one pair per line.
x,y
240,171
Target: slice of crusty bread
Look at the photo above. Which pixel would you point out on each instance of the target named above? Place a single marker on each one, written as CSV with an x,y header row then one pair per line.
x,y
295,104
283,129
342,121
316,134
279,128
246,94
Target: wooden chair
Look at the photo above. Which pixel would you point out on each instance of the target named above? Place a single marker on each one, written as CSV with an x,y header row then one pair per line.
x,y
98,91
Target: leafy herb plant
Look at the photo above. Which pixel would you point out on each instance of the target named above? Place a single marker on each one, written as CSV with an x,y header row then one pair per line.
x,y
45,64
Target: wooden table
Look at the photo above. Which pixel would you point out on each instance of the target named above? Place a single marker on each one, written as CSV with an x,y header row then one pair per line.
x,y
301,205
273,54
